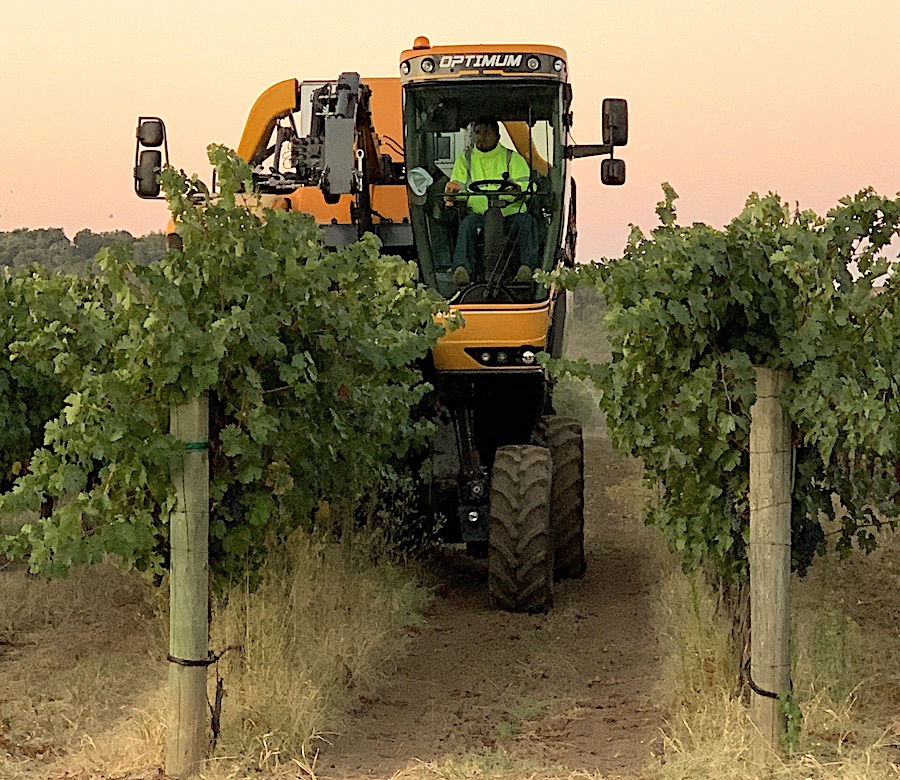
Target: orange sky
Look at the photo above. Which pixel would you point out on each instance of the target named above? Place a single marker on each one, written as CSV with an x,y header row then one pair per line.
x,y
800,97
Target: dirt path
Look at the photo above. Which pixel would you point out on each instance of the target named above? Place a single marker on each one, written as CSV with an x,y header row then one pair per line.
x,y
569,689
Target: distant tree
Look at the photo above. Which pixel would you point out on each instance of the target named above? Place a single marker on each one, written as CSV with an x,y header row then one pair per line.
x,y
88,243
150,248
47,247
52,250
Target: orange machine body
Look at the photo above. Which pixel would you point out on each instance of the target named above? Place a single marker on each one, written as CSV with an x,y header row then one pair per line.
x,y
494,326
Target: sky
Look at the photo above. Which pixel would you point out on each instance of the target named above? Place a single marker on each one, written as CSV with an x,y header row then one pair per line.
x,y
798,97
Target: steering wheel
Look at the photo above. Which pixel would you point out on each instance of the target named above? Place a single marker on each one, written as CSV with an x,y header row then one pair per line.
x,y
505,186
481,292
497,187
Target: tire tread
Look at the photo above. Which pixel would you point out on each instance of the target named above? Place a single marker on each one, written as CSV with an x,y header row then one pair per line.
x,y
520,552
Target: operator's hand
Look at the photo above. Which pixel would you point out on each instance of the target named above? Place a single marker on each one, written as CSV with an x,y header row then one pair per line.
x,y
452,187
513,185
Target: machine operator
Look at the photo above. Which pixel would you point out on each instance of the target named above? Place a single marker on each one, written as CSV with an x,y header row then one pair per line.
x,y
491,160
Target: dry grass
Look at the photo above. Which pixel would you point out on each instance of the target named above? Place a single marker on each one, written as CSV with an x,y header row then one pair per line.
x,y
79,659
83,673
845,658
315,635
695,636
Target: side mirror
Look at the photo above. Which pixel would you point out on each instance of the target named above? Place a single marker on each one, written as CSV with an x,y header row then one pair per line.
x,y
148,160
612,171
146,185
614,121
151,132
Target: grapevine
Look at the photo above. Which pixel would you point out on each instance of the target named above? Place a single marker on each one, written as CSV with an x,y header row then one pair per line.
x,y
309,356
692,310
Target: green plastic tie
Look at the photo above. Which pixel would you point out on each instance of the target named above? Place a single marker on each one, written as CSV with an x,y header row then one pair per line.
x,y
196,446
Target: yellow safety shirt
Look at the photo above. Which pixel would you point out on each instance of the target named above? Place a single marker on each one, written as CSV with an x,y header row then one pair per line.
x,y
476,165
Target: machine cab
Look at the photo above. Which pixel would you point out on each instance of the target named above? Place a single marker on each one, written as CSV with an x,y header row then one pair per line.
x,y
506,220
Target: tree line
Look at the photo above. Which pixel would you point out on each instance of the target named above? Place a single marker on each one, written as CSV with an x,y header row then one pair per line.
x,y
52,249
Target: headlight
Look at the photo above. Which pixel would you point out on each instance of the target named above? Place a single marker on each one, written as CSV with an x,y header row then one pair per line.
x,y
533,62
505,357
428,65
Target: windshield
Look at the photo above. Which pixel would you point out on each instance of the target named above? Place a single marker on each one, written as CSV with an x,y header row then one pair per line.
x,y
497,149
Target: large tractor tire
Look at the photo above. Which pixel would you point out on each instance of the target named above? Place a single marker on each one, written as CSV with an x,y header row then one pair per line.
x,y
520,551
563,437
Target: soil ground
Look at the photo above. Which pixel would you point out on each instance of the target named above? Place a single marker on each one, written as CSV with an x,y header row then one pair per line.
x,y
570,690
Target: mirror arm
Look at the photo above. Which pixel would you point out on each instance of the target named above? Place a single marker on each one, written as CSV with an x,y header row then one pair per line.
x,y
587,150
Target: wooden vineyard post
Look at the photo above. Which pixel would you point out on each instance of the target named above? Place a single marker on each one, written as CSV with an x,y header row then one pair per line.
x,y
770,555
186,741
